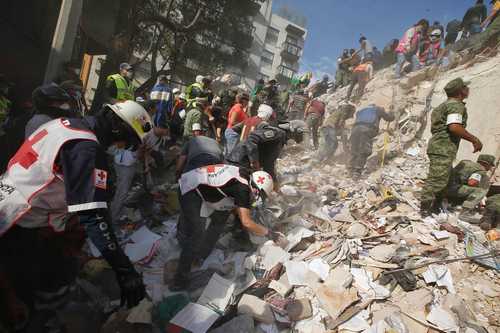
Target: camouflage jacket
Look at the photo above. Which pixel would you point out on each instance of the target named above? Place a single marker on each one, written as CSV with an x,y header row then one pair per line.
x,y
442,141
466,170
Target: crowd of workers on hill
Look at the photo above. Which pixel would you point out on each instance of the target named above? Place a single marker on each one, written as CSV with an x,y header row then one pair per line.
x,y
57,180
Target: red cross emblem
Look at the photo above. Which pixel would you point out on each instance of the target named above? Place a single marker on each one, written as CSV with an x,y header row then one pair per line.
x,y
101,175
261,179
100,178
26,155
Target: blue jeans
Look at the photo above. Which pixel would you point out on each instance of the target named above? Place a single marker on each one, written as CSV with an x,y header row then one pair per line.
x,y
401,58
232,139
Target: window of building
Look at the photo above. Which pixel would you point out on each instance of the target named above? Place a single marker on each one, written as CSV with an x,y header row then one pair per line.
x,y
267,58
272,36
292,40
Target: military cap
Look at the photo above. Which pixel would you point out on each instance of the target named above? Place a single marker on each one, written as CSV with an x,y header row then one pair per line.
x,y
454,86
486,158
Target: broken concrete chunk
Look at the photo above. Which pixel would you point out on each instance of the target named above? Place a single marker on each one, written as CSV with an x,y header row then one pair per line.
x,y
257,308
339,278
299,309
334,302
357,230
382,253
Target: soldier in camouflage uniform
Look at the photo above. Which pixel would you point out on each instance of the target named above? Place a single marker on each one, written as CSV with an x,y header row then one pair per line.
x,y
448,123
491,216
297,105
469,181
333,127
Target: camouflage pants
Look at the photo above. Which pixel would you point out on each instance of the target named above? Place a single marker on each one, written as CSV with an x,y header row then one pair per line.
x,y
491,33
313,121
470,196
493,204
361,147
342,78
437,179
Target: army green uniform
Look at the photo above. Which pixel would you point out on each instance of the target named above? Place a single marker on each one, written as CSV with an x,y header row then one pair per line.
x,y
492,215
332,128
442,150
460,191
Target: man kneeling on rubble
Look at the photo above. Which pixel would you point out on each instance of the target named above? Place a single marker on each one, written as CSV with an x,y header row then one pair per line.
x,y
469,184
365,129
209,191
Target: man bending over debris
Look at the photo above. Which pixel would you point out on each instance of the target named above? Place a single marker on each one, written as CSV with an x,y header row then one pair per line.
x,y
209,191
333,127
364,130
469,183
448,123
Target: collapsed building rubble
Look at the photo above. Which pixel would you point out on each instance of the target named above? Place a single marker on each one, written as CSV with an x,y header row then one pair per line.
x,y
358,257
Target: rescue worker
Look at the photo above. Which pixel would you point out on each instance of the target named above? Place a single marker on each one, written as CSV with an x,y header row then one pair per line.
x,y
163,96
254,97
408,47
342,74
50,102
196,115
361,75
448,123
297,105
469,183
334,127
430,51
491,215
119,87
236,116
365,129
473,18
209,191
313,116
263,146
246,127
491,34
62,168
176,125
199,89
319,88
270,95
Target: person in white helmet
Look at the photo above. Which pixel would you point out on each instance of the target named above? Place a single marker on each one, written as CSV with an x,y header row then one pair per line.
x,y
57,183
209,191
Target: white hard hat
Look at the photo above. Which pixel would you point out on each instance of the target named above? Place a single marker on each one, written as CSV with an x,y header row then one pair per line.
x,y
134,115
175,91
436,32
199,78
196,127
264,112
182,96
263,181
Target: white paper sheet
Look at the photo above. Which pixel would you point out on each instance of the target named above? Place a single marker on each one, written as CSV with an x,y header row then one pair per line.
x,y
297,272
273,255
143,244
363,281
441,275
195,318
320,267
217,293
296,235
357,323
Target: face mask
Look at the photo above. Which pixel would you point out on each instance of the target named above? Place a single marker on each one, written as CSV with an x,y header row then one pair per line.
x,y
65,107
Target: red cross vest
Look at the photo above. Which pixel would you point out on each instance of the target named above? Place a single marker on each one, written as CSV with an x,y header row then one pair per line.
x,y
214,176
32,192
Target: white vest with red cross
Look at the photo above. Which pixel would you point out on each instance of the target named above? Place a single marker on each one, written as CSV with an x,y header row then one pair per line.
x,y
214,176
32,192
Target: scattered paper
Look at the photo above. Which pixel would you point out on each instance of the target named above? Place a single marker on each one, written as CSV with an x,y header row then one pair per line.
x,y
442,319
144,245
282,286
441,275
217,294
320,267
363,281
414,151
357,323
440,234
195,318
297,272
296,235
273,255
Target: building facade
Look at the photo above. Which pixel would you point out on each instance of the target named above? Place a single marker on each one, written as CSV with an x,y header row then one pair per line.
x,y
277,48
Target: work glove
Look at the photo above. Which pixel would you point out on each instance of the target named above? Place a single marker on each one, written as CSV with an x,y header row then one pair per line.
x,y
278,238
132,287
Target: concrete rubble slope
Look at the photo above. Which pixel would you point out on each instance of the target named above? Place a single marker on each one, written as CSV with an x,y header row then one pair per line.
x,y
365,261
